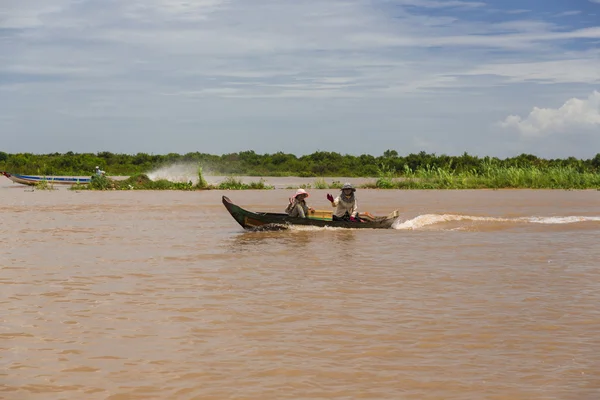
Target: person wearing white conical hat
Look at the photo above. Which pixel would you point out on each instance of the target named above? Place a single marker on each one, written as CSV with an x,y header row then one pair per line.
x,y
298,207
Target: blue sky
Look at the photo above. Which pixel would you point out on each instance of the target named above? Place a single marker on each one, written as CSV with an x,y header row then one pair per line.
x,y
499,77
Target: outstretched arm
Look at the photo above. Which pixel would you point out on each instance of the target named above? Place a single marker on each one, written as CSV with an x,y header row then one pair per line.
x,y
331,200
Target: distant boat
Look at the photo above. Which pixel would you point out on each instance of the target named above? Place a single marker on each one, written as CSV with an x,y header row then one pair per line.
x,y
273,221
33,180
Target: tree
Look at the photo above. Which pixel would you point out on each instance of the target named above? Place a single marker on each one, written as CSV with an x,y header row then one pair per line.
x,y
596,162
390,154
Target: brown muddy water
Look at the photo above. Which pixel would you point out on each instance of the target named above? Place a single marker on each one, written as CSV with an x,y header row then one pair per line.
x,y
161,295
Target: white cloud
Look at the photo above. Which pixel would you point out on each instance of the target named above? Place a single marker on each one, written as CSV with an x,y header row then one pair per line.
x,y
578,68
569,13
516,11
267,40
575,114
522,26
441,3
18,14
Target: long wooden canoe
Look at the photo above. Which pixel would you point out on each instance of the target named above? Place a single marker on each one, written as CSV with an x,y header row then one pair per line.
x,y
33,180
264,221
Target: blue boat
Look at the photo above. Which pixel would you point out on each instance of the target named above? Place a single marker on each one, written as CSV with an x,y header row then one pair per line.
x,y
33,180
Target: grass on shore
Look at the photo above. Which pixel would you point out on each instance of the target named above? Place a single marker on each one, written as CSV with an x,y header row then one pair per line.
x,y
44,185
492,177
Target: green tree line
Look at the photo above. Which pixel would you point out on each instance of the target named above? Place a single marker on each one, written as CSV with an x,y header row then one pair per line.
x,y
249,163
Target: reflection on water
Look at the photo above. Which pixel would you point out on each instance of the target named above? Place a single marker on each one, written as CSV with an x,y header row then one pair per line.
x,y
161,295
296,237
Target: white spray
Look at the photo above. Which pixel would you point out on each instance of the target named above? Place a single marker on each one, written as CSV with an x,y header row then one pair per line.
x,y
177,172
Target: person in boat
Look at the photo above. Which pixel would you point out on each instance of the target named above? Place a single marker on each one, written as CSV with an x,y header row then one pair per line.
x,y
346,207
298,207
99,172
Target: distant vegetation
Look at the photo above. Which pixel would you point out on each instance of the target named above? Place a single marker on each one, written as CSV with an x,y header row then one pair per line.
x,y
390,170
493,176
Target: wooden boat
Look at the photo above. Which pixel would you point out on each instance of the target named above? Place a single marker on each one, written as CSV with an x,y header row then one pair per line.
x,y
273,221
33,180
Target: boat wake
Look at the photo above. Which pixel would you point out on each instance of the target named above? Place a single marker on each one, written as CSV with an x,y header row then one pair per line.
x,y
270,227
428,220
301,228
445,222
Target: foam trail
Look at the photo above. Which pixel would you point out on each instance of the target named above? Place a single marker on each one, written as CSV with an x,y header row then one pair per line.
x,y
561,220
422,221
432,219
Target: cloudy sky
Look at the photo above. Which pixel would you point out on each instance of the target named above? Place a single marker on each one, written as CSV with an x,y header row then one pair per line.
x,y
490,77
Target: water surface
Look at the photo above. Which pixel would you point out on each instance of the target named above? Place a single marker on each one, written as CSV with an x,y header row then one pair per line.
x,y
161,295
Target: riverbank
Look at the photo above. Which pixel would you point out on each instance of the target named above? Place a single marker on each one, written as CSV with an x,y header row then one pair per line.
x,y
508,180
490,178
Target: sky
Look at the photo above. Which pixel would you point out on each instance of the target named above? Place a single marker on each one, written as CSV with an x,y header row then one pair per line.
x,y
491,77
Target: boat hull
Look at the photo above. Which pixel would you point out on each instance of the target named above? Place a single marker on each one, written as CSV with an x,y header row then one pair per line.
x,y
268,221
33,180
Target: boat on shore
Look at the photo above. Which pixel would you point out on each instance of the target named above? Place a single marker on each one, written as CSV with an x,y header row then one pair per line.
x,y
33,180
273,221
